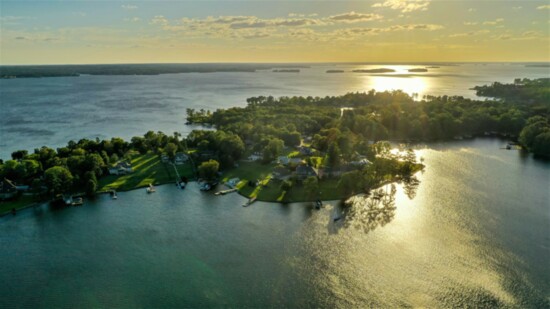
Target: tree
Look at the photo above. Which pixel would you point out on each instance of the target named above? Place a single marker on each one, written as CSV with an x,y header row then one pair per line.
x,y
534,126
170,150
286,185
58,179
19,154
209,169
333,155
311,186
541,145
351,182
273,149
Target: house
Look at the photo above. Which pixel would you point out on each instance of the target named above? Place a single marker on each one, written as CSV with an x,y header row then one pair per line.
x,y
337,171
281,173
305,171
121,168
8,190
231,183
307,151
295,161
255,157
360,162
284,160
180,158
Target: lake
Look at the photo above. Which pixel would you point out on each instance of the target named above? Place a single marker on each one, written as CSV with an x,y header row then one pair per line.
x,y
52,111
476,234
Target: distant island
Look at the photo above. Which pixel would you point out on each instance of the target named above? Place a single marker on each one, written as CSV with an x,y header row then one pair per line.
x,y
286,71
381,70
538,65
335,71
432,67
285,150
417,70
30,71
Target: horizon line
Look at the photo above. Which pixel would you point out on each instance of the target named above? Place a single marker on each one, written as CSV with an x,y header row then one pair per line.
x,y
268,62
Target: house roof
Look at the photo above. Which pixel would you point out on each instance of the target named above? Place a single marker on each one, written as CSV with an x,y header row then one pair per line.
x,y
306,170
281,170
7,186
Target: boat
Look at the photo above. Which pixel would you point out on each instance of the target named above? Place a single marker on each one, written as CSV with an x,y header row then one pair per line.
x,y
77,202
151,189
249,202
318,204
113,194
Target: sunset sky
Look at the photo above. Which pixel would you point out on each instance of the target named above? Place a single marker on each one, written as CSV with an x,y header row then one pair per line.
x,y
59,32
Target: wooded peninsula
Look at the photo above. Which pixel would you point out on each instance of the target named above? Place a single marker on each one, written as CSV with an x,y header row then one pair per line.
x,y
285,149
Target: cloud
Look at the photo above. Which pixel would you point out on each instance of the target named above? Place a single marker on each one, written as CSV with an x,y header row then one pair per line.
x,y
129,6
353,17
470,23
404,5
543,7
467,34
133,19
471,10
12,20
159,20
276,22
494,22
517,8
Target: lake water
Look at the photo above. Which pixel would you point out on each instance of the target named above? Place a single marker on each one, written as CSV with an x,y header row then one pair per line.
x,y
476,234
52,111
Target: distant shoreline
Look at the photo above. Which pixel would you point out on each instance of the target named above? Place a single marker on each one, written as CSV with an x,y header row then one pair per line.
x,y
75,70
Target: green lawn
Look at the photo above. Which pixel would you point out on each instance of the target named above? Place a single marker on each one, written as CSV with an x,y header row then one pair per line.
x,y
148,169
20,202
270,190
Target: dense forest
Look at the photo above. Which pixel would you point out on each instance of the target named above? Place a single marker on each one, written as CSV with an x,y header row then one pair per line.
x,y
519,111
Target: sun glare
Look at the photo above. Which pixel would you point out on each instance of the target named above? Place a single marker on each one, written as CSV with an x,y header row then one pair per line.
x,y
409,85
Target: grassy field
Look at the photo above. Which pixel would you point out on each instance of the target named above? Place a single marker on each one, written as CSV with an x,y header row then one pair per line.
x,y
270,189
22,201
148,169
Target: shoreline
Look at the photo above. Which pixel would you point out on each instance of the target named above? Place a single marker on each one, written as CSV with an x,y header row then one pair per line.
x,y
384,183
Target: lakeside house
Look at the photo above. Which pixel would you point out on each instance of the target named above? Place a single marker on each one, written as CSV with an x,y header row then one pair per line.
x,y
8,189
256,156
281,173
338,171
180,158
232,183
306,151
305,171
360,162
121,168
284,160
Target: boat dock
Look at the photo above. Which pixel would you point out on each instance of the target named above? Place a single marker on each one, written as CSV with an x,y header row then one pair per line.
x,y
249,202
226,191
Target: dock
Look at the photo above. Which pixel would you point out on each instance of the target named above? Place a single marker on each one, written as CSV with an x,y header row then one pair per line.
x,y
249,202
226,191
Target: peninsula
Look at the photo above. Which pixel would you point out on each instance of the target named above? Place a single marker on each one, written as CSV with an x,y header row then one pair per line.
x,y
285,149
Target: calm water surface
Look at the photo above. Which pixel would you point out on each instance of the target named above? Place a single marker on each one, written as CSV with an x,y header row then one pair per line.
x,y
477,233
52,111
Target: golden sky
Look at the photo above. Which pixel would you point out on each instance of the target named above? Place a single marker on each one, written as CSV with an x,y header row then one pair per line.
x,y
59,32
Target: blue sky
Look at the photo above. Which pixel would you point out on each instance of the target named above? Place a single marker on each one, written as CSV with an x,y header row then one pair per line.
x,y
50,32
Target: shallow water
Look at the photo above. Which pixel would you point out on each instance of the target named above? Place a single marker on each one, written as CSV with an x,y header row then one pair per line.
x,y
52,111
477,233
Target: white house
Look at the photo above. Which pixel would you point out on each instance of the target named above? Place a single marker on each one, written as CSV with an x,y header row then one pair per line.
x,y
122,168
255,157
284,160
